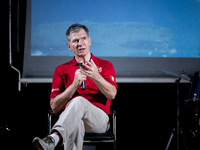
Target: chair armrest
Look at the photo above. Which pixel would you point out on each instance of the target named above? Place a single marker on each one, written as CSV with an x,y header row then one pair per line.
x,y
114,117
50,114
49,120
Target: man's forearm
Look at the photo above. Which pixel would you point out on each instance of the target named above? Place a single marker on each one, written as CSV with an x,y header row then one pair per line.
x,y
58,102
61,100
106,88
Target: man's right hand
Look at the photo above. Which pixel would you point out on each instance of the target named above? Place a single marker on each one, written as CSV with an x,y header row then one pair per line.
x,y
78,78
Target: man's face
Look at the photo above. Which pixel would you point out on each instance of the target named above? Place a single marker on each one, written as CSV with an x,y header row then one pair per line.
x,y
79,43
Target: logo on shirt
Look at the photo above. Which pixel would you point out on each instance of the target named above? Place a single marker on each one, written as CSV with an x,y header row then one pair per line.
x,y
99,69
113,78
56,89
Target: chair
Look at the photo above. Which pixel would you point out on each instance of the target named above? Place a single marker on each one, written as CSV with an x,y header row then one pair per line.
x,y
109,136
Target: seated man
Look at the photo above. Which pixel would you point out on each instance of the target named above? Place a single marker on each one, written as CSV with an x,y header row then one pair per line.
x,y
82,110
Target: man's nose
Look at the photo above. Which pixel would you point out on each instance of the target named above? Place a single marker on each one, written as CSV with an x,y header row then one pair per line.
x,y
80,42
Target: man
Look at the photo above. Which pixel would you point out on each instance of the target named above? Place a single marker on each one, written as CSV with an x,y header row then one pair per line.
x,y
82,110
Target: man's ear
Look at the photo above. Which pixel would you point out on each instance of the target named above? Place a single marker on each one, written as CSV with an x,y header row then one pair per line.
x,y
68,44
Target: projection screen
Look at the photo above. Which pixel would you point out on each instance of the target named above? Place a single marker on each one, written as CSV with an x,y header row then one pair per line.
x,y
139,37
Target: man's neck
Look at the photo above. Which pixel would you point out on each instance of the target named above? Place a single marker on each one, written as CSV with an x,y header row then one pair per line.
x,y
83,59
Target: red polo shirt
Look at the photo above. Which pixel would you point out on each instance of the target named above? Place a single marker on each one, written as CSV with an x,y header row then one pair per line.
x,y
64,76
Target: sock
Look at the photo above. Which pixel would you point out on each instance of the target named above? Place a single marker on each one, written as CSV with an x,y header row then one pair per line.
x,y
55,137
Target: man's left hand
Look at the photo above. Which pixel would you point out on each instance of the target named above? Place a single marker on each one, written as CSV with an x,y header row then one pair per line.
x,y
91,71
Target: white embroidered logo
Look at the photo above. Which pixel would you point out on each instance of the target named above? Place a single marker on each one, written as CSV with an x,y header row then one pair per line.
x,y
56,89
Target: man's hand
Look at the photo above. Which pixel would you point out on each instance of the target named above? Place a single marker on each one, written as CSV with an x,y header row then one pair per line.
x,y
92,71
78,78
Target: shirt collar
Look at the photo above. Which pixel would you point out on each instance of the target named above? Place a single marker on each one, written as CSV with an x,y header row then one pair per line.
x,y
74,62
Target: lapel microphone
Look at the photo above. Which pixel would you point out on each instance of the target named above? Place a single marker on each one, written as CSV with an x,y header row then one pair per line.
x,y
83,83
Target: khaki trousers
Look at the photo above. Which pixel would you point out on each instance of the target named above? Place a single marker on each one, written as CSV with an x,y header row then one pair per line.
x,y
80,116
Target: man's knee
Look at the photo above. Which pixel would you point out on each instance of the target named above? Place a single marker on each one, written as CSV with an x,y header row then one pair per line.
x,y
79,99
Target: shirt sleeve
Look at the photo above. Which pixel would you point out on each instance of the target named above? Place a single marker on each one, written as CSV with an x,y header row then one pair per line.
x,y
109,74
57,83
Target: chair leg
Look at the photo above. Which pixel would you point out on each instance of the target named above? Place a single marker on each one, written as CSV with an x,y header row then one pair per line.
x,y
115,145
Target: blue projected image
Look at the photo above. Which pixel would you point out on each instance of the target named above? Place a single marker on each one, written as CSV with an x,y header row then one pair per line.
x,y
138,28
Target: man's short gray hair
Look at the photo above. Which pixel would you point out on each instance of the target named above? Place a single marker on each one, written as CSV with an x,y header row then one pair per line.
x,y
76,28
